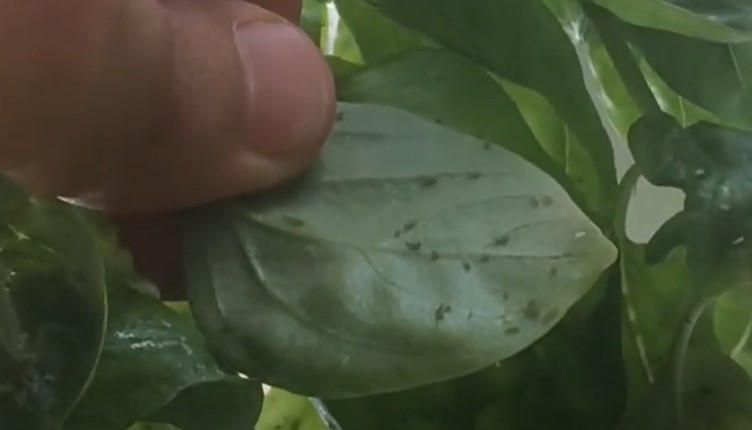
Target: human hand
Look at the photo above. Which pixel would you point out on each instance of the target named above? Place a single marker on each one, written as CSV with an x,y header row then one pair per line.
x,y
145,107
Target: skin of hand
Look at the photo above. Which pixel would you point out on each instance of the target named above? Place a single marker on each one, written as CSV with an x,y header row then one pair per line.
x,y
143,108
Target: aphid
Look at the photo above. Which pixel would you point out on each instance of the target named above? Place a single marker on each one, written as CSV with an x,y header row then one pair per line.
x,y
511,330
434,256
413,246
473,176
501,240
293,221
534,202
553,271
441,311
340,116
427,182
409,226
531,310
465,266
547,200
485,258
486,145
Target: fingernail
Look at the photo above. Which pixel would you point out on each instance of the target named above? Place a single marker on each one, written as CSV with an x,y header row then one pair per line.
x,y
291,89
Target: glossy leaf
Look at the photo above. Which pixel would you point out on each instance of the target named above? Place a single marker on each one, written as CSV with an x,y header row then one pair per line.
x,y
445,87
413,254
377,36
53,309
524,51
155,367
715,76
710,163
716,20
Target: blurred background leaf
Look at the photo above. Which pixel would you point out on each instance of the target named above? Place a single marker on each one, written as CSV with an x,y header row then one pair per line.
x,y
53,312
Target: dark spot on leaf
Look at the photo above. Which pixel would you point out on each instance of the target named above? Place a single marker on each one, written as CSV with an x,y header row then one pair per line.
x,y
531,310
547,200
409,226
501,240
465,266
534,203
550,316
441,311
511,330
293,221
413,246
434,256
427,182
485,258
553,271
473,176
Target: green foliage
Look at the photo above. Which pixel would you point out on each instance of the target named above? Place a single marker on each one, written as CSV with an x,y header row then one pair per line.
x,y
457,93
457,260
522,50
66,282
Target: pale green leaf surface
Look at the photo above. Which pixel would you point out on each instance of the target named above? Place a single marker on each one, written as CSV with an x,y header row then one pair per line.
x,y
412,254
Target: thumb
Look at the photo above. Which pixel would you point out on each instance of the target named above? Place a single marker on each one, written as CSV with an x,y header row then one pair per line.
x,y
146,106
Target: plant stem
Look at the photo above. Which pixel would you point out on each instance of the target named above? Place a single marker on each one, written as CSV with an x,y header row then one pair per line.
x,y
680,358
611,31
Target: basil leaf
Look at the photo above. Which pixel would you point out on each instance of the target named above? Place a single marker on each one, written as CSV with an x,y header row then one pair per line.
x,y
412,254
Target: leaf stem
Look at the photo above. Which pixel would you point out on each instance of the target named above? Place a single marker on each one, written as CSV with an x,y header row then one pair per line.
x,y
680,358
611,31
